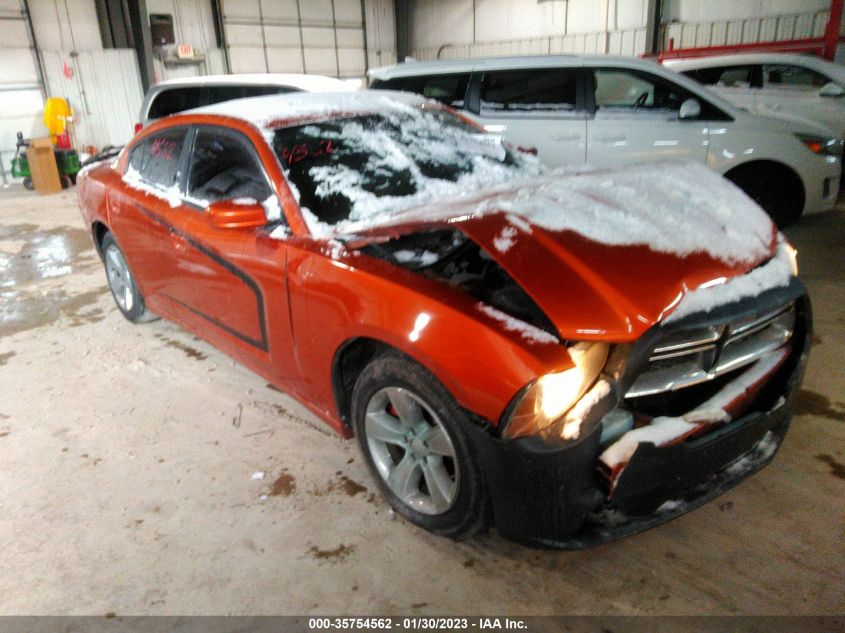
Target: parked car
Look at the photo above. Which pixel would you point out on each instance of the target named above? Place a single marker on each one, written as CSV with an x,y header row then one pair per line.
x,y
572,356
775,83
177,95
607,111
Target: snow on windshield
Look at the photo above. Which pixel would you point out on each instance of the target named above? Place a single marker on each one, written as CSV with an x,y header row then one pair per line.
x,y
360,167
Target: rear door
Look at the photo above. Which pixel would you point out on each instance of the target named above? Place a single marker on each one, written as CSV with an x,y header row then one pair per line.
x,y
146,209
537,109
636,119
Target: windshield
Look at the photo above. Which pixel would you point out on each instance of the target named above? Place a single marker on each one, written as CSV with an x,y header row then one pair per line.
x,y
364,167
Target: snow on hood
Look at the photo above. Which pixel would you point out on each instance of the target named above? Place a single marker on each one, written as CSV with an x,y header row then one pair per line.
x,y
675,208
607,254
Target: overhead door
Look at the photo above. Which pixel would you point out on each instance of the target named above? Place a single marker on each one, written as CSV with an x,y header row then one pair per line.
x,y
324,37
21,101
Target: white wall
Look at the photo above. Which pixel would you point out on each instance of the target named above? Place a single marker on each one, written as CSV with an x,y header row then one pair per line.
x,y
503,27
193,24
715,10
455,29
313,36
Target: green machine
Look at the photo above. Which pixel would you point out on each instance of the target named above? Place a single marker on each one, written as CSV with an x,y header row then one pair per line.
x,y
67,161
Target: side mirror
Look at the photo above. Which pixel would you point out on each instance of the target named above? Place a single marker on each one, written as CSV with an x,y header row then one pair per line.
x,y
831,90
690,109
240,213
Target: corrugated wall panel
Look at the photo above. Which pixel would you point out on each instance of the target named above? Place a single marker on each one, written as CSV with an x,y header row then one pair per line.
x,y
746,30
323,37
20,92
104,92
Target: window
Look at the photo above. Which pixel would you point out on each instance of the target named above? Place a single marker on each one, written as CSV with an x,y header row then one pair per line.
x,y
358,167
546,90
217,94
174,100
157,159
224,167
620,91
792,77
723,76
447,89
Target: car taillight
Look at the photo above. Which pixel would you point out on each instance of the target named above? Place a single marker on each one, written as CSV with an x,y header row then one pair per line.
x,y
138,127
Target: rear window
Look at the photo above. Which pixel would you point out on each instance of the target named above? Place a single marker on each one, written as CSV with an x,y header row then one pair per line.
x,y
447,89
174,100
546,90
179,99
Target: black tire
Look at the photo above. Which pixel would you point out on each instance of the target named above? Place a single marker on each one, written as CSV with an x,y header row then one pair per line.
x,y
66,181
777,190
27,183
72,178
131,303
468,512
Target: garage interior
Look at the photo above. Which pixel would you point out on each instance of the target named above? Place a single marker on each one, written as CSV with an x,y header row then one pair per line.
x,y
145,472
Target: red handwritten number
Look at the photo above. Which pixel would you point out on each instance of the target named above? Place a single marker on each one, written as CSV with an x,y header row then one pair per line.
x,y
162,149
297,153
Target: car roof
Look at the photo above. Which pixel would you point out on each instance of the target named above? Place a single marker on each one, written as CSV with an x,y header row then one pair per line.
x,y
311,83
269,112
413,67
810,61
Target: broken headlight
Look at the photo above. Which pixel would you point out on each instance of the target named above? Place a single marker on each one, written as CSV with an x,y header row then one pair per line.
x,y
549,397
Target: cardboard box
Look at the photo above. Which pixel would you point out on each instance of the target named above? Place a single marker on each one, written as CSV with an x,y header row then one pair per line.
x,y
42,166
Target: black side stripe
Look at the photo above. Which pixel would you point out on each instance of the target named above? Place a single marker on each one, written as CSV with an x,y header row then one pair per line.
x,y
261,344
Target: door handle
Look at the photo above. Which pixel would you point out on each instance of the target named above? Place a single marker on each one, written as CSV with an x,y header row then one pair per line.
x,y
610,138
564,137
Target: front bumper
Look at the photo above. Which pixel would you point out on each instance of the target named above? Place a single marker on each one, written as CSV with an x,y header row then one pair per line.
x,y
552,495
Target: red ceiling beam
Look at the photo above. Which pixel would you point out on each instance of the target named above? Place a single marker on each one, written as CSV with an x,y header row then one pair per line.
x,y
831,32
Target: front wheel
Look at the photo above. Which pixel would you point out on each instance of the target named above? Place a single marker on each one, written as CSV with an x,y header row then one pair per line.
x,y
411,432
773,188
122,284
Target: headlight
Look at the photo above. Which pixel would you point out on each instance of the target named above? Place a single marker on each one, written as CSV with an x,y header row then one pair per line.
x,y
822,145
551,396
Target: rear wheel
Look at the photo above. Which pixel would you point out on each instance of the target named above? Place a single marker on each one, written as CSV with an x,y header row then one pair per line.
x,y
126,294
774,187
411,432
27,183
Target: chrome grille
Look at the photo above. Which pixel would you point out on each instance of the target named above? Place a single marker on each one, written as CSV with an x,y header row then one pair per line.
x,y
687,357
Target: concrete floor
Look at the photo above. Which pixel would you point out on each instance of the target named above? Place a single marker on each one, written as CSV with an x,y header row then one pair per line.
x,y
132,461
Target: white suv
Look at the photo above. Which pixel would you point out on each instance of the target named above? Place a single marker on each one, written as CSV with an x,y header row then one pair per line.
x,y
775,83
608,111
178,95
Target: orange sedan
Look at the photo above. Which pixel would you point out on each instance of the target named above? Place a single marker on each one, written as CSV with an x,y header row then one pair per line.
x,y
571,356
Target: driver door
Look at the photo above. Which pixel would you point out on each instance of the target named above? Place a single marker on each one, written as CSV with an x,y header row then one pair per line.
x,y
636,120
226,293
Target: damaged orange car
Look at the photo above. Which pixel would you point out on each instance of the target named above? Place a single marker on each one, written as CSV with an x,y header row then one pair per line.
x,y
569,356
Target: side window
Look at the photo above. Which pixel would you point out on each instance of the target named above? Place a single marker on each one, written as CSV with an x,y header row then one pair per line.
x,y
156,161
546,90
447,89
174,100
792,77
621,91
224,167
723,76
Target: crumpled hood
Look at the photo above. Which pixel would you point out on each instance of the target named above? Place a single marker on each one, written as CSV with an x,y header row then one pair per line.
x,y
608,254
